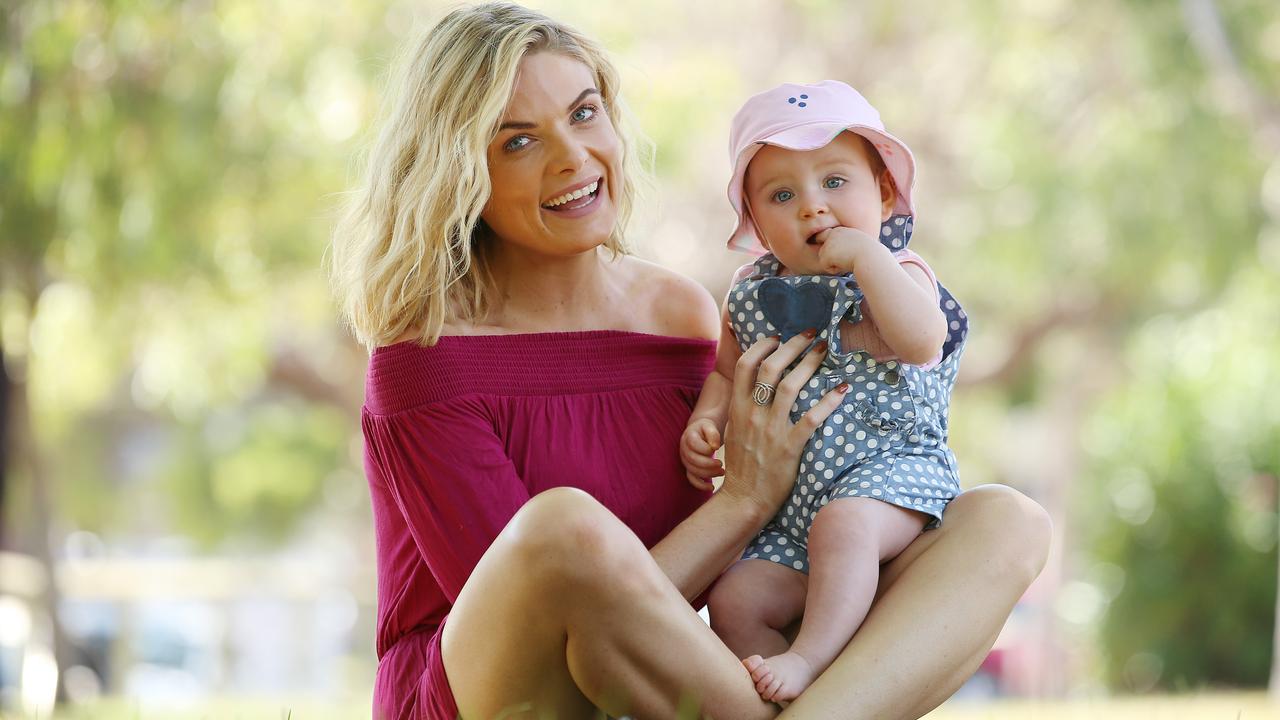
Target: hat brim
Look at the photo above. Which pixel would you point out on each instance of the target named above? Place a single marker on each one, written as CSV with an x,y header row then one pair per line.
x,y
896,155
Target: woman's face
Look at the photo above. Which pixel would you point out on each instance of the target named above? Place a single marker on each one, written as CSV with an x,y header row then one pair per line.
x,y
554,163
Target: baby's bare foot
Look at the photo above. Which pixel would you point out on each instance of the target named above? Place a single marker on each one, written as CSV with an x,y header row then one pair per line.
x,y
781,677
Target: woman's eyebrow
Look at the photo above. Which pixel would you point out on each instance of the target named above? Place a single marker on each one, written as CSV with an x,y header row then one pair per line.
x,y
582,95
521,125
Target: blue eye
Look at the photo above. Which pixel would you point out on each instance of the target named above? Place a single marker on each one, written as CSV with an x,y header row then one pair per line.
x,y
832,183
516,143
783,196
584,113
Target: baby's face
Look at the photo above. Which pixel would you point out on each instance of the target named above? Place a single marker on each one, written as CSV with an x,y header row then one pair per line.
x,y
794,195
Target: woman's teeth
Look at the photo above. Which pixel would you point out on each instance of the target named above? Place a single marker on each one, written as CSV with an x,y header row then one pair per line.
x,y
572,196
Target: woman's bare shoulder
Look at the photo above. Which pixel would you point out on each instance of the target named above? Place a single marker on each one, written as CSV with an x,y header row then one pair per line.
x,y
675,305
450,328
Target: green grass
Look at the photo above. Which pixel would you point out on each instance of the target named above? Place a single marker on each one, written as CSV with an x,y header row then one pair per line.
x,y
292,708
1227,706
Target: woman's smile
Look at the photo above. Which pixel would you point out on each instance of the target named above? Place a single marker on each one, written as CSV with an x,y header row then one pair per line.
x,y
578,200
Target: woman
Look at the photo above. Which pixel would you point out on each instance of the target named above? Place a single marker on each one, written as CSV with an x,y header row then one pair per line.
x,y
527,386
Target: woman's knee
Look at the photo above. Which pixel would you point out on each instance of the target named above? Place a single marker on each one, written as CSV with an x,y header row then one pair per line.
x,y
567,538
1023,526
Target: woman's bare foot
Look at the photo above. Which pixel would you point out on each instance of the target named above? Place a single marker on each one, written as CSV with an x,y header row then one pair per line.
x,y
781,677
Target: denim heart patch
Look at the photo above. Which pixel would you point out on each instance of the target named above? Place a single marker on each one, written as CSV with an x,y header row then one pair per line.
x,y
794,309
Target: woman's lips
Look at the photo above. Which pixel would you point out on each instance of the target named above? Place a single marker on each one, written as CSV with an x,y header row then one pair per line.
x,y
578,206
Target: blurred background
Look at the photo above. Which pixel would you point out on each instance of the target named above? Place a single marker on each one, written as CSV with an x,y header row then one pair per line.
x,y
185,525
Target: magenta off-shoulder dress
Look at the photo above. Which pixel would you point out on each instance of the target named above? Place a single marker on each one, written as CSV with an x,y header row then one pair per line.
x,y
459,435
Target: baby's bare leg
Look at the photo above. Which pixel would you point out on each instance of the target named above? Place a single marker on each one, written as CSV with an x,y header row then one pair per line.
x,y
753,602
849,539
950,591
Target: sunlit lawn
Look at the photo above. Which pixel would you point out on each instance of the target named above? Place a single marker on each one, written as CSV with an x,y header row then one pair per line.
x,y
221,709
1229,706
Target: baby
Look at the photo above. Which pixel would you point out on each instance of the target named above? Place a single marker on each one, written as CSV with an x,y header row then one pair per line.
x,y
822,188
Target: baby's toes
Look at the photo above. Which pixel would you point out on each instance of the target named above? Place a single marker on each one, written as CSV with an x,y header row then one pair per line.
x,y
764,681
756,666
772,689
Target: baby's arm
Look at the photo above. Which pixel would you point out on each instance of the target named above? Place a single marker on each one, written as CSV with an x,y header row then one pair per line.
x,y
902,296
705,431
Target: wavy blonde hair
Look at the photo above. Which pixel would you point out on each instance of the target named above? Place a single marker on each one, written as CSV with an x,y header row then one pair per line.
x,y
410,251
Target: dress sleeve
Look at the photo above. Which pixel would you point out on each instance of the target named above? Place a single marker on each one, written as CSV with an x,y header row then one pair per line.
x,y
451,479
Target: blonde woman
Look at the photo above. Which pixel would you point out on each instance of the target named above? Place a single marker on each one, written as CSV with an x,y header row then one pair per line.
x,y
539,550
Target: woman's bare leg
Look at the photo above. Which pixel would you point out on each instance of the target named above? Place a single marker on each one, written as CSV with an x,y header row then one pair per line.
x,y
567,612
753,602
940,605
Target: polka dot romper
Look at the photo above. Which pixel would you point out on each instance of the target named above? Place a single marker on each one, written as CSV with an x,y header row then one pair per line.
x,y
888,440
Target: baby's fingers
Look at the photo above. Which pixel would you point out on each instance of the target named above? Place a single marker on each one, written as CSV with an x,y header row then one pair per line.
x,y
700,483
706,441
703,465
711,436
816,415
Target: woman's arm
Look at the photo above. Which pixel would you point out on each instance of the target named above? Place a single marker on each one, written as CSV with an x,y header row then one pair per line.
x,y
451,480
762,455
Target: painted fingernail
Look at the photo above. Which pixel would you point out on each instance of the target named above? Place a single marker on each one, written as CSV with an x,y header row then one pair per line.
x,y
821,347
842,388
810,333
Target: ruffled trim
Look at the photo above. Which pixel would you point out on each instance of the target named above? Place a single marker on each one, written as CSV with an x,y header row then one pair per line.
x,y
408,375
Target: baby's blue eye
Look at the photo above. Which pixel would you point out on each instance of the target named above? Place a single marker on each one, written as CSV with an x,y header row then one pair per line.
x,y
586,112
832,183
783,196
516,143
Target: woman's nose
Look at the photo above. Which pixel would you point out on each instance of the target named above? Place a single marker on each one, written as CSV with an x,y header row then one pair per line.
x,y
570,156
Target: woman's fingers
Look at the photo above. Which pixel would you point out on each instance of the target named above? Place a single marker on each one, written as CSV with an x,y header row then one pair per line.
x,y
772,367
816,415
789,387
745,371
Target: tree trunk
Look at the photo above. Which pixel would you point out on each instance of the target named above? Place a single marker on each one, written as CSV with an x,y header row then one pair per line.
x,y
40,536
6,392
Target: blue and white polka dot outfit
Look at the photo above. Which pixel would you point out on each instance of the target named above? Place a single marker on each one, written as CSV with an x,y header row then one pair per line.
x,y
888,440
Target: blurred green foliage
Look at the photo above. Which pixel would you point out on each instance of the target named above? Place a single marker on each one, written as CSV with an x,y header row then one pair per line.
x,y
1098,184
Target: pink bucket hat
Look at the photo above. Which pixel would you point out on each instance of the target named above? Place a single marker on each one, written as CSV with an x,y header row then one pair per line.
x,y
807,117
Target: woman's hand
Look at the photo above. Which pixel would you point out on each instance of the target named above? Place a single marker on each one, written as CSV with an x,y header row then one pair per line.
x,y
762,445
